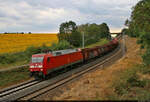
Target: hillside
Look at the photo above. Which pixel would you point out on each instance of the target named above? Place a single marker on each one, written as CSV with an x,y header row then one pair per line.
x,y
98,85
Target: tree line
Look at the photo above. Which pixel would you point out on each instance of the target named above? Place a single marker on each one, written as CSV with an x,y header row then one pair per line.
x,y
139,27
16,33
72,33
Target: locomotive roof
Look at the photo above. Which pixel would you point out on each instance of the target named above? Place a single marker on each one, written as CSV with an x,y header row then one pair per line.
x,y
39,55
56,53
62,52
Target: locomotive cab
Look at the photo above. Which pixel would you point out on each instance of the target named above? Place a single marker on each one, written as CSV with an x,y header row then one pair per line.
x,y
37,65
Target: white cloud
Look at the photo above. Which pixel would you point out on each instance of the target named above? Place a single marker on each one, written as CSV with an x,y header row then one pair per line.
x,y
47,15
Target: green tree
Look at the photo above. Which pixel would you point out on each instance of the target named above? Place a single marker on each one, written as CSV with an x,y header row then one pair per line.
x,y
104,31
125,31
139,25
68,31
94,32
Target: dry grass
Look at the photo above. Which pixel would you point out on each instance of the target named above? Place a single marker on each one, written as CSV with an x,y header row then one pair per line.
x,y
18,42
98,85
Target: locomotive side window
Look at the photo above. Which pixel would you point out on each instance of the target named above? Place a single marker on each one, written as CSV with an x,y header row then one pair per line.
x,y
48,59
37,59
58,53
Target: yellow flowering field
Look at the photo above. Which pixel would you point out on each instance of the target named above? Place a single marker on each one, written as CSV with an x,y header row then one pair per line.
x,y
18,42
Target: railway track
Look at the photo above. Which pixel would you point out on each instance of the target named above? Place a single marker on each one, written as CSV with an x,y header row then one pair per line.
x,y
62,82
5,93
75,74
33,89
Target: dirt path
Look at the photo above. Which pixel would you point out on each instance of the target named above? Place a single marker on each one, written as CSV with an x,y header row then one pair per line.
x,y
97,85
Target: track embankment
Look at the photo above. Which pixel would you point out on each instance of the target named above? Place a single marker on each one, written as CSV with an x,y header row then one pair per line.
x,y
97,85
66,88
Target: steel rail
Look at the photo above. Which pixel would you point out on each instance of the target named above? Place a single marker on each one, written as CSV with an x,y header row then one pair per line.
x,y
8,91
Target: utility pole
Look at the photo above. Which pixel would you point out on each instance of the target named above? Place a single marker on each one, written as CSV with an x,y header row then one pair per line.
x,y
123,41
83,40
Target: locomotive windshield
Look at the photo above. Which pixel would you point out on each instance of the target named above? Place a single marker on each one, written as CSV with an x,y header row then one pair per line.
x,y
37,59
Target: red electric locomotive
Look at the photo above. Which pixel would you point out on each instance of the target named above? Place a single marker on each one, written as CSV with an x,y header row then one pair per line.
x,y
43,64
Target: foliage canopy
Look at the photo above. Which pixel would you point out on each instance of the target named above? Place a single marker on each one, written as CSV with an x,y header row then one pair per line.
x,y
139,26
72,33
68,31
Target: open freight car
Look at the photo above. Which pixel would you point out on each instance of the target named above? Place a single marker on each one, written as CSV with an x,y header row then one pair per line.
x,y
89,53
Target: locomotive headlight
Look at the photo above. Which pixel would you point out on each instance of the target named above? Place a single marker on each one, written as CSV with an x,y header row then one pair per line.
x,y
41,69
40,66
31,66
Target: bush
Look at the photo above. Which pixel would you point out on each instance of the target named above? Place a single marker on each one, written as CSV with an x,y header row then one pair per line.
x,y
90,41
129,79
146,57
21,56
133,81
142,94
61,45
11,58
144,69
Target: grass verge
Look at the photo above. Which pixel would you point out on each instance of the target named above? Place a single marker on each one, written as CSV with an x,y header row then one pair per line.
x,y
13,77
12,65
133,83
101,42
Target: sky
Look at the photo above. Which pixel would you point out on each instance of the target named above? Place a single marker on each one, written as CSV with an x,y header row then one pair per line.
x,y
45,16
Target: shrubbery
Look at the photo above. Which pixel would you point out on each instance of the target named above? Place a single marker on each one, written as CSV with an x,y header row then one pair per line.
x,y
12,58
61,45
139,27
130,81
146,57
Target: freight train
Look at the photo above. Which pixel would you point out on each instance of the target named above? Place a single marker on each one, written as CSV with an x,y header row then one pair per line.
x,y
42,65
